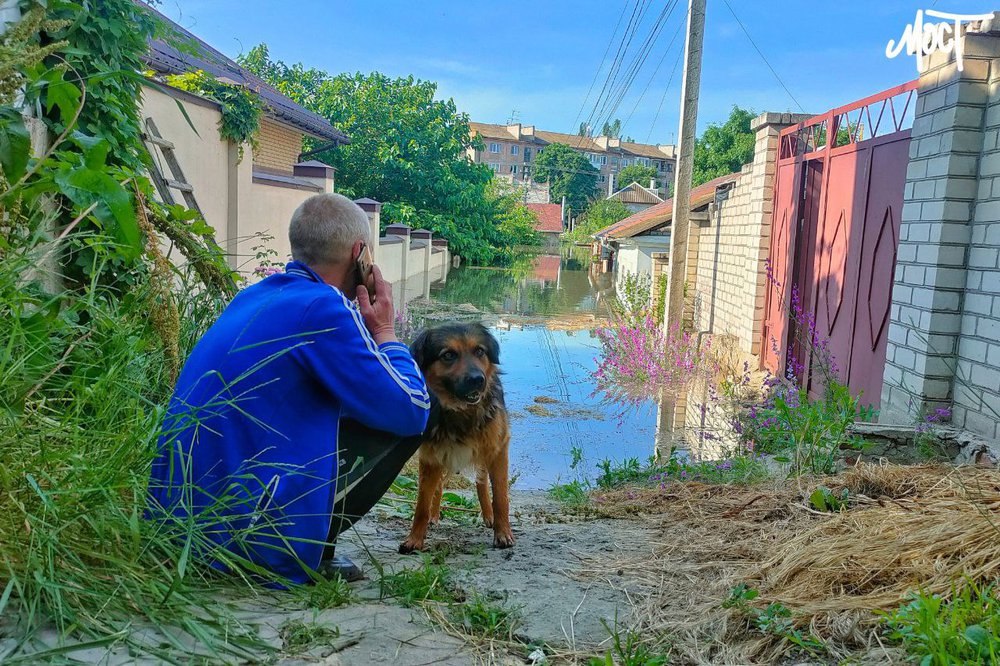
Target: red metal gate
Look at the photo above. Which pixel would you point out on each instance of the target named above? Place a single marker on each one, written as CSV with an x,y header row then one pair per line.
x,y
837,198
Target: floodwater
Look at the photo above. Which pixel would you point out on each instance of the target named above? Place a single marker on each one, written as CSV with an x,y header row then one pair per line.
x,y
546,307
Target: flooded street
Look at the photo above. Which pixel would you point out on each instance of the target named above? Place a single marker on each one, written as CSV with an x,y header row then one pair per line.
x,y
546,307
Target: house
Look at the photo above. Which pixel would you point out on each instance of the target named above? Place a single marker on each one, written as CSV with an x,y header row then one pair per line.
x,y
510,150
247,201
641,242
636,197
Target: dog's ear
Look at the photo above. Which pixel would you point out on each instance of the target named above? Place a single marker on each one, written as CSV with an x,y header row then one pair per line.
x,y
492,346
418,348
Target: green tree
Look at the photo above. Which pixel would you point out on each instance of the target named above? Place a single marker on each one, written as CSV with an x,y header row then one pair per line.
x,y
568,173
407,150
602,213
612,129
724,149
636,173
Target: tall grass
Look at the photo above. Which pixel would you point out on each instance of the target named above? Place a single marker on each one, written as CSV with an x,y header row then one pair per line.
x,y
83,385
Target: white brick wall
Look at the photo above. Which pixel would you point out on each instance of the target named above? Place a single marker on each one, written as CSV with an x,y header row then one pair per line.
x,y
945,321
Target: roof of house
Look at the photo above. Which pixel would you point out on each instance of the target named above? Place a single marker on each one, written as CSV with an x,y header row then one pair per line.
x,y
546,267
654,216
505,133
549,217
634,193
198,55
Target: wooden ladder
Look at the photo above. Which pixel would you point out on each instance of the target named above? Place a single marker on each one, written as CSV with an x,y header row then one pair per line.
x,y
177,181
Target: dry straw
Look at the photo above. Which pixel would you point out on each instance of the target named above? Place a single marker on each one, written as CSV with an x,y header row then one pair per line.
x,y
908,528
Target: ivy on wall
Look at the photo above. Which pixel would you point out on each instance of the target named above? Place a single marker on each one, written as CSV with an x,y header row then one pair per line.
x,y
241,108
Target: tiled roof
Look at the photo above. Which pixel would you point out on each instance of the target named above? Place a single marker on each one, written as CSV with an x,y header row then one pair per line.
x,y
549,217
646,150
503,133
197,54
635,193
654,216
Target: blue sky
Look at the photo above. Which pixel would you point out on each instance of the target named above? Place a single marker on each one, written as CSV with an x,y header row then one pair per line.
x,y
536,61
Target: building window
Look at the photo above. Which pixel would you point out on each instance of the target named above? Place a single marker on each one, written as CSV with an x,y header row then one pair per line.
x,y
513,168
603,179
614,161
513,150
644,161
495,166
669,167
494,147
527,154
604,160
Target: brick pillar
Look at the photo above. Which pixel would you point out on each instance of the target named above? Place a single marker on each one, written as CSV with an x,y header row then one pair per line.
x,y
425,236
403,232
373,209
935,230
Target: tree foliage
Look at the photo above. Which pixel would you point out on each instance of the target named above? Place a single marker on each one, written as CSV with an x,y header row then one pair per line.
x,y
636,173
407,150
568,173
602,213
724,149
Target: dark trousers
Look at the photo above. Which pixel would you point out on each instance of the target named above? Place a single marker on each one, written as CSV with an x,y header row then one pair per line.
x,y
370,460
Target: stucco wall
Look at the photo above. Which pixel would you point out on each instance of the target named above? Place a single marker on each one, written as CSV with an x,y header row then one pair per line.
x,y
202,155
272,208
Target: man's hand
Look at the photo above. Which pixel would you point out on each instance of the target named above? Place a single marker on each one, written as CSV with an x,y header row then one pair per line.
x,y
380,318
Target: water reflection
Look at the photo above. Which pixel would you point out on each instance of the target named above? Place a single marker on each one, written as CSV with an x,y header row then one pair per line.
x,y
535,285
547,297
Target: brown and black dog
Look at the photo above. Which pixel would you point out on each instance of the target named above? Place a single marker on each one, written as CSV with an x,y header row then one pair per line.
x,y
460,363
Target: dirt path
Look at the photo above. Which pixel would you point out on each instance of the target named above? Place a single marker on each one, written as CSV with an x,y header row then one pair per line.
x,y
536,576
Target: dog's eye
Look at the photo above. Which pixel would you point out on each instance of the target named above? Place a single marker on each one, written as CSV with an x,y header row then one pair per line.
x,y
449,356
480,352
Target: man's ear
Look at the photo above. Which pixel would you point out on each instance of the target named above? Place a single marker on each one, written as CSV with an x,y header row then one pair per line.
x,y
356,251
418,349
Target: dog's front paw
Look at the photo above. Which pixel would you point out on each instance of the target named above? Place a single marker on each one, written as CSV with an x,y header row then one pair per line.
x,y
488,522
411,544
503,539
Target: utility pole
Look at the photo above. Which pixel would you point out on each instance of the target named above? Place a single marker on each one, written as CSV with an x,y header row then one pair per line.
x,y
685,163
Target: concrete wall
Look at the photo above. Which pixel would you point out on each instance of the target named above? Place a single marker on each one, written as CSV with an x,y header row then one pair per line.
x,y
237,200
944,333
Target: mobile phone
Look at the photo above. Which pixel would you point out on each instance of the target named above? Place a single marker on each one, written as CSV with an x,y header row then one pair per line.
x,y
366,276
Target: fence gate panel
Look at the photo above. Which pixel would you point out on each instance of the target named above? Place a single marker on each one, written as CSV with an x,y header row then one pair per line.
x,y
838,194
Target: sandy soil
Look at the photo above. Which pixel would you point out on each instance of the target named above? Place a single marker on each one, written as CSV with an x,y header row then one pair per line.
x,y
536,576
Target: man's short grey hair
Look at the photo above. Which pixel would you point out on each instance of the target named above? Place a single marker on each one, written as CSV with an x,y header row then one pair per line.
x,y
325,228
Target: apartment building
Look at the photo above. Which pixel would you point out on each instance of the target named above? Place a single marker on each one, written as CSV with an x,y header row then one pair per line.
x,y
511,150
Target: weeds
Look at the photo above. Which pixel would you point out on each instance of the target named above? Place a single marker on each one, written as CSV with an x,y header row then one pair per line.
x,y
431,582
824,499
485,618
775,620
573,494
629,648
331,592
298,636
962,630
403,493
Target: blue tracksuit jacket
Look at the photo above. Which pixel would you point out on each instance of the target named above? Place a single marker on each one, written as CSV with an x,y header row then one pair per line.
x,y
250,444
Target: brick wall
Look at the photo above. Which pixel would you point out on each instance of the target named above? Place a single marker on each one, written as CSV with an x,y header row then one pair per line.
x,y
278,146
944,334
727,288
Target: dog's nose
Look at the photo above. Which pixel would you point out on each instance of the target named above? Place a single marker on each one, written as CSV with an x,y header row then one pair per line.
x,y
475,382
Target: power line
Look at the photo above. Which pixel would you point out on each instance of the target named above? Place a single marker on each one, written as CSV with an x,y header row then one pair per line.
x,y
626,41
619,88
600,67
652,125
656,71
762,56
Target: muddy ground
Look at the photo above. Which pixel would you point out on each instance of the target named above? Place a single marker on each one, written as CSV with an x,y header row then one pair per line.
x,y
536,576
564,612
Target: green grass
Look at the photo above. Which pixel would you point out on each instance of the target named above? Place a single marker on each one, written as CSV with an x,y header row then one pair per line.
x,y
939,632
573,494
433,581
486,618
331,592
630,648
298,636
83,382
